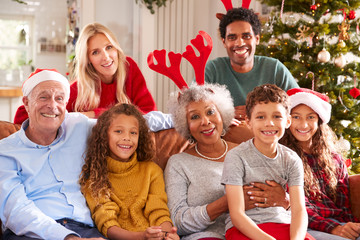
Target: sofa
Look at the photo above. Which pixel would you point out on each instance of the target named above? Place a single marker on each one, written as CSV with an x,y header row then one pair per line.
x,y
169,142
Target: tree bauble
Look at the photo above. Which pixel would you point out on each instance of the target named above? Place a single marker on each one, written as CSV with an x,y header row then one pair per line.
x,y
342,44
323,56
340,61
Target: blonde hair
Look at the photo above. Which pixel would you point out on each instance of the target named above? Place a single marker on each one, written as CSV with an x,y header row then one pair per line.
x,y
89,81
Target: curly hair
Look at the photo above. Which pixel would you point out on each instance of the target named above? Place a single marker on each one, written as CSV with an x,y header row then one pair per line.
x,y
322,147
266,93
240,14
218,94
94,173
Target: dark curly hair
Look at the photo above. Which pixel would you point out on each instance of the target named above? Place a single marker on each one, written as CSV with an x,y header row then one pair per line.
x,y
266,93
94,174
240,14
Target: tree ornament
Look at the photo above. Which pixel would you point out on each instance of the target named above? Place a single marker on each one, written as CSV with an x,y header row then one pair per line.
x,y
323,56
354,92
313,7
282,9
343,145
303,33
340,61
271,24
351,15
343,28
348,162
341,44
290,20
340,98
312,80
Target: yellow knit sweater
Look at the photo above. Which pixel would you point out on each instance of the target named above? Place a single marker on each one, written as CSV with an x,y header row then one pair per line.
x,y
138,199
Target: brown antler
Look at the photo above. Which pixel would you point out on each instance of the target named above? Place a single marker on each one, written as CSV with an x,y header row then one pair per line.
x,y
227,4
199,63
173,72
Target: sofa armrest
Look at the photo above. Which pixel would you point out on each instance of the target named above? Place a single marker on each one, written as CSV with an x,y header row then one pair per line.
x,y
354,184
8,128
167,143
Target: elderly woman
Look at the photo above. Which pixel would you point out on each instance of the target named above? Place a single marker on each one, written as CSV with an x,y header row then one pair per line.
x,y
201,114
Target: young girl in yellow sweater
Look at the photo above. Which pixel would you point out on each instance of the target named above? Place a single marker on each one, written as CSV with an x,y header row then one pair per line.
x,y
124,189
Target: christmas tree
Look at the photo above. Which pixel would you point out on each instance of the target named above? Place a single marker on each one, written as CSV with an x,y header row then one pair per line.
x,y
319,42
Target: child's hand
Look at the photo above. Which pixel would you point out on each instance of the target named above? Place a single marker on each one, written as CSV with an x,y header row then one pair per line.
x,y
172,235
153,233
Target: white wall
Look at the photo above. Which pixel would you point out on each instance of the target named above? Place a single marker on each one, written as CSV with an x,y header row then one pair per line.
x,y
131,22
49,22
120,20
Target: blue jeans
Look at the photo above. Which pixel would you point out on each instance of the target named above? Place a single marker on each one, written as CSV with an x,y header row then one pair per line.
x,y
327,236
84,230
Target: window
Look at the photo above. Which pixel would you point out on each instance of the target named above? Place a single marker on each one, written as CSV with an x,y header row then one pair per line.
x,y
15,48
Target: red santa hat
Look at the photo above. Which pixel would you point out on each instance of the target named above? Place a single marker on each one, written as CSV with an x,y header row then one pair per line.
x,y
42,75
315,100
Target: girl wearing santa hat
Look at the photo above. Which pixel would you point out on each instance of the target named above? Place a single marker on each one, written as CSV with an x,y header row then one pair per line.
x,y
326,179
104,76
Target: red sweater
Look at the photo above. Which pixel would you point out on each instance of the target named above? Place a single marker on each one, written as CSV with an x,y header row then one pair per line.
x,y
135,89
322,212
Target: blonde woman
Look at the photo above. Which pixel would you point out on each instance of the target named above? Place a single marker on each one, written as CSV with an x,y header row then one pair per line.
x,y
104,76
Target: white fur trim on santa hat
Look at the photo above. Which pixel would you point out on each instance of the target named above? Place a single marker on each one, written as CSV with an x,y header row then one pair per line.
x,y
45,75
321,107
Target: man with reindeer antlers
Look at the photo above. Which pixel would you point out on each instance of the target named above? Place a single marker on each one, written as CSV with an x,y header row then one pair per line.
x,y
242,70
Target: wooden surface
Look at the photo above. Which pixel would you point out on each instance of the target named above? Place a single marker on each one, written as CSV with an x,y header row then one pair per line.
x,y
10,92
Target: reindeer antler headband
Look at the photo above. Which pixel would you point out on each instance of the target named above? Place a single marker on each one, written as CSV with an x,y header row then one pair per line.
x,y
198,62
228,5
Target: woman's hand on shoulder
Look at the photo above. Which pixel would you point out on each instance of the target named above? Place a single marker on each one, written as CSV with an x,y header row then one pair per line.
x,y
235,122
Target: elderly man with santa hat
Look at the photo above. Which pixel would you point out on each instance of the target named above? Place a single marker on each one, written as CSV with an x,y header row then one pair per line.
x,y
40,165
